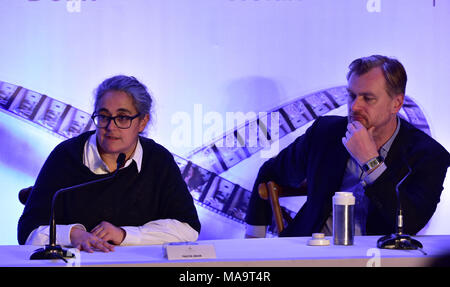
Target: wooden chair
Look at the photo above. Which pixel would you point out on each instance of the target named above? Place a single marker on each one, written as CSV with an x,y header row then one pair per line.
x,y
24,193
272,191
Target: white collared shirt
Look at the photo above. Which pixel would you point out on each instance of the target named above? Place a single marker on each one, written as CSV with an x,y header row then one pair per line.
x,y
153,232
92,159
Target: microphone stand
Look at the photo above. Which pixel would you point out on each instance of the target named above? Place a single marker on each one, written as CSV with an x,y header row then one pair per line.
x,y
53,250
399,240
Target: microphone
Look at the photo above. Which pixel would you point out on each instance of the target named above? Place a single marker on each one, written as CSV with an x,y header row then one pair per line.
x,y
399,240
52,250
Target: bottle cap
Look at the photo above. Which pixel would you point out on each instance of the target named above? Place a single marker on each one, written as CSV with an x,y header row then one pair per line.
x,y
318,239
343,198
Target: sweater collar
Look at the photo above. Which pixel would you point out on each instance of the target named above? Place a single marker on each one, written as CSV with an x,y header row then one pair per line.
x,y
92,159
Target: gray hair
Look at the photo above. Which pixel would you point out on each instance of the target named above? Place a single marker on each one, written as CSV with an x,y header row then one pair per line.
x,y
142,99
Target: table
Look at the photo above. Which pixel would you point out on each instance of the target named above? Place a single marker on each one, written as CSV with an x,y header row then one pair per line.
x,y
269,252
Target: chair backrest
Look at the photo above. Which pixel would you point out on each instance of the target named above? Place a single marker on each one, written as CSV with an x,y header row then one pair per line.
x,y
24,193
272,191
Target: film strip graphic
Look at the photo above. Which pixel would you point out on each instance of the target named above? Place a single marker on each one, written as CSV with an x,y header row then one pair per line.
x,y
218,158
213,191
201,170
65,121
413,114
55,116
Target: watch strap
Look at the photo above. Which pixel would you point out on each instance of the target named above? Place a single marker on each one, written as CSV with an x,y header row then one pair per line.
x,y
372,163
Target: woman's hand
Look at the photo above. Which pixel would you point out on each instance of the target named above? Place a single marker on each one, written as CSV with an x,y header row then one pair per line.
x,y
109,232
88,242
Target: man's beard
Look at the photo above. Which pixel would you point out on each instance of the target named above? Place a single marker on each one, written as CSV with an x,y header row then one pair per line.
x,y
358,117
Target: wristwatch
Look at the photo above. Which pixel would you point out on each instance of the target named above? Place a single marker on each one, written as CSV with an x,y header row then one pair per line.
x,y
372,163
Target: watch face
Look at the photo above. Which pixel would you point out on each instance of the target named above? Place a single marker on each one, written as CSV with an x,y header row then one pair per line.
x,y
372,163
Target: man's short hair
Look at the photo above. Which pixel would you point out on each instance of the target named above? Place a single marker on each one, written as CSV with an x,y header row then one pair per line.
x,y
393,71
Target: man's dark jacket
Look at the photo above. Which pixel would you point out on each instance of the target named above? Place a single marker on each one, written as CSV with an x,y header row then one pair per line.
x,y
320,157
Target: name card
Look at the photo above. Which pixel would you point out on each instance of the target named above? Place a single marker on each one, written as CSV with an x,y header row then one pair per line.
x,y
189,250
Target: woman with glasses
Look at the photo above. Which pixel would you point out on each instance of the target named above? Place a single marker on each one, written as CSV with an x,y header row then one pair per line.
x,y
147,201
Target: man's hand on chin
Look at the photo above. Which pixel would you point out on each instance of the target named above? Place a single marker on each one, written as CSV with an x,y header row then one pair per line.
x,y
359,142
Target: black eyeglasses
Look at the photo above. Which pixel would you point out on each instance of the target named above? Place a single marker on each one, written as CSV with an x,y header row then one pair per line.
x,y
122,122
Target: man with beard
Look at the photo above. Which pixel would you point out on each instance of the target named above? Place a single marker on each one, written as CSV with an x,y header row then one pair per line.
x,y
366,153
